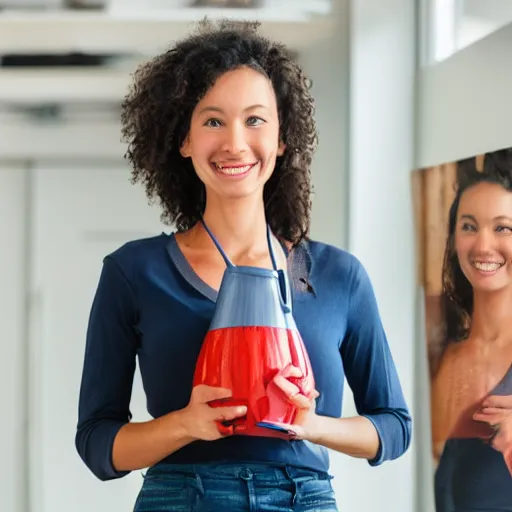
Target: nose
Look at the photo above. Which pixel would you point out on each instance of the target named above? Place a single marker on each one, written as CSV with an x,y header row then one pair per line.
x,y
484,243
235,141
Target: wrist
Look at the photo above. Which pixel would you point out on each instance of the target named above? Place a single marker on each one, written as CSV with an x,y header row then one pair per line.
x,y
179,426
315,430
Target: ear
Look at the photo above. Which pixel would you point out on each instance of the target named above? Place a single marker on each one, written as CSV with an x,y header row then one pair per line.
x,y
185,148
281,149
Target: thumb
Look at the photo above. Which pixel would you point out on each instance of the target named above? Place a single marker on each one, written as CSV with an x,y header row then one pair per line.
x,y
204,394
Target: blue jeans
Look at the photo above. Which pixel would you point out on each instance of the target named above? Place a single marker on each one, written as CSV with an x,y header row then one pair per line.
x,y
234,488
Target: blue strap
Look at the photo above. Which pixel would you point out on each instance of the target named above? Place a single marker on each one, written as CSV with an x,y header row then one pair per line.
x,y
271,249
225,256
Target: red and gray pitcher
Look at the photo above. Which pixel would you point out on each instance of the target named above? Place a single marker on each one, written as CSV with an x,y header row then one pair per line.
x,y
254,349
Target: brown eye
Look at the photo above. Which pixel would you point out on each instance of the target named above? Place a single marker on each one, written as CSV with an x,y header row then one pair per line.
x,y
255,121
213,123
467,227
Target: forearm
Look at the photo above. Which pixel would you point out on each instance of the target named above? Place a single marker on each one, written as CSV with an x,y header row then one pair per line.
x,y
355,436
140,445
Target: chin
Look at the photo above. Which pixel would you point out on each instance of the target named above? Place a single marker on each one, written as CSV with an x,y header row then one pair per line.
x,y
241,191
488,285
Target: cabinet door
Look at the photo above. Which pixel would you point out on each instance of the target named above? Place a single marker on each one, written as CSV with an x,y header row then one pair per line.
x,y
78,215
13,270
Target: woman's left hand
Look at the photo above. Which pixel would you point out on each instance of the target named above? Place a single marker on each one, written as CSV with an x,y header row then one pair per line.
x,y
496,411
306,421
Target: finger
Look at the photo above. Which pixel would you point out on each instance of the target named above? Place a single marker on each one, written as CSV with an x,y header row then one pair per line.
x,y
206,394
493,410
229,413
291,371
502,402
314,394
287,387
225,430
491,419
300,401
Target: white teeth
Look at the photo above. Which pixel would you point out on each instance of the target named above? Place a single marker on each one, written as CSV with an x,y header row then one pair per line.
x,y
487,267
232,170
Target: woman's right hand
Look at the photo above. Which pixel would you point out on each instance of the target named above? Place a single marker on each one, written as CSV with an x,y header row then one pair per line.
x,y
200,419
496,411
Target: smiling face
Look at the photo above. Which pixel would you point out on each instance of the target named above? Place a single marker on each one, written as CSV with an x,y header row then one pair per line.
x,y
234,135
483,236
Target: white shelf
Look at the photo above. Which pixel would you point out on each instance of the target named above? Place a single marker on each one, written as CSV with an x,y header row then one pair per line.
x,y
150,31
272,10
47,85
21,139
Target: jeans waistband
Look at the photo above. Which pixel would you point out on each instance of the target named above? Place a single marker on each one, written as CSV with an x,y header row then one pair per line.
x,y
247,471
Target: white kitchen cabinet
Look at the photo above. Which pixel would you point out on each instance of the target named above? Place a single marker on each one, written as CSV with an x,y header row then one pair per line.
x,y
78,215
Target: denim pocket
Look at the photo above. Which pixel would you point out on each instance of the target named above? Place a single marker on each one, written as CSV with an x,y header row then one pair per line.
x,y
166,493
316,494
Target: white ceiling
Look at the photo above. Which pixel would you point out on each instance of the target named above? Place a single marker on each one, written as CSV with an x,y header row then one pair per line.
x,y
139,29
479,18
487,10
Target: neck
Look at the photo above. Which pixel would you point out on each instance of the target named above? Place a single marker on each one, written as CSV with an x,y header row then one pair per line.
x,y
239,225
492,315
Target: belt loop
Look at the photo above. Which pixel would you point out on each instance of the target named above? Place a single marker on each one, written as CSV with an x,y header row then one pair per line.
x,y
292,480
199,481
246,474
248,477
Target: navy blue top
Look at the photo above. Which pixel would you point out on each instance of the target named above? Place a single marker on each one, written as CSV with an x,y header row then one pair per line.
x,y
472,476
151,305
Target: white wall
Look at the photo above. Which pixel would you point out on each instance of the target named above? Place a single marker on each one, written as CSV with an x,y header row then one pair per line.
x,y
13,301
382,74
327,63
464,105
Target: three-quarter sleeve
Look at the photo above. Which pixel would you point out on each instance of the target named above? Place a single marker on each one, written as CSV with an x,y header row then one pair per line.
x,y
108,371
371,372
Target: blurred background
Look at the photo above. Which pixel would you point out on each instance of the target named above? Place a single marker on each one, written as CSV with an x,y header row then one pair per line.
x,y
399,84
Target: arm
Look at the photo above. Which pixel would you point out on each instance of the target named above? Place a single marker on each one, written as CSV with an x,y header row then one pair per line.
x,y
108,371
107,376
382,431
107,442
139,445
356,436
373,379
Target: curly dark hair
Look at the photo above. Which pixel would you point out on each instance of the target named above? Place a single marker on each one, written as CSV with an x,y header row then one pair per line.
x,y
457,294
156,117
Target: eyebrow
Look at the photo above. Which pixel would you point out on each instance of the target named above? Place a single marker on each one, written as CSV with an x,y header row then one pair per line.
x,y
472,218
220,111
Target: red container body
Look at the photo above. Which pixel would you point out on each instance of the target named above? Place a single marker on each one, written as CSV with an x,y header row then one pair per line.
x,y
253,362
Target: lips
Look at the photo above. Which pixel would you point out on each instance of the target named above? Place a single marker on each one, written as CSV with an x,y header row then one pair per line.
x,y
487,266
233,169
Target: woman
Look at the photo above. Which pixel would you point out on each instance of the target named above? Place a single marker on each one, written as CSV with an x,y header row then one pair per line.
x,y
220,128
472,389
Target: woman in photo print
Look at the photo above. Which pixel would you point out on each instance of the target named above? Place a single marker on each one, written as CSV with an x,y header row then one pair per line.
x,y
472,388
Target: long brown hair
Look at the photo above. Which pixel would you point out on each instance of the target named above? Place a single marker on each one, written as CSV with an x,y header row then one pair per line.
x,y
457,295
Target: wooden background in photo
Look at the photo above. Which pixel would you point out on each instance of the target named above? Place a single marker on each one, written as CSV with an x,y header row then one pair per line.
x,y
433,194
